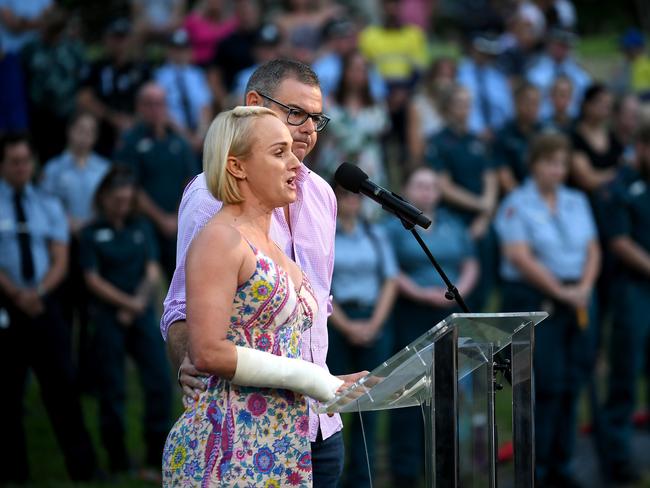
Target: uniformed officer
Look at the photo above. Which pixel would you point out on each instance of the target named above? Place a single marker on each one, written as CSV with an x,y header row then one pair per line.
x,y
109,86
118,256
511,142
625,207
468,182
422,303
551,259
33,334
163,162
73,177
364,289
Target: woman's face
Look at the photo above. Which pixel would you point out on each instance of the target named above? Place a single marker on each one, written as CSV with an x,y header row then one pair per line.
x,y
527,106
83,133
117,203
271,168
423,189
356,74
459,107
349,204
551,171
561,96
600,107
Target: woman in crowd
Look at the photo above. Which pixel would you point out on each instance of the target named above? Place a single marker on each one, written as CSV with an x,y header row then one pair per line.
x,y
364,288
356,126
251,424
73,177
551,261
119,260
468,182
424,117
207,25
422,303
596,151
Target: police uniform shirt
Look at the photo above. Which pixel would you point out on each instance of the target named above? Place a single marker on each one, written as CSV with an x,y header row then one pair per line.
x,y
74,185
46,223
463,156
626,207
197,91
488,82
162,166
119,256
511,148
559,240
116,86
364,259
448,240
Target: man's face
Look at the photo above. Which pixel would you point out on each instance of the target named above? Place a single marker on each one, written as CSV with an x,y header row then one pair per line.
x,y
17,167
295,94
152,106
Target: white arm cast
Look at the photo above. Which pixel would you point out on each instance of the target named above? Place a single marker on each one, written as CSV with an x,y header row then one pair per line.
x,y
259,368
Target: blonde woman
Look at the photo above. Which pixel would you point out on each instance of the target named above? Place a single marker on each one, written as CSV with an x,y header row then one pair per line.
x,y
247,305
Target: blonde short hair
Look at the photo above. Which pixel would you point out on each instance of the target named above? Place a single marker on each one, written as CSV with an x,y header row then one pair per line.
x,y
230,134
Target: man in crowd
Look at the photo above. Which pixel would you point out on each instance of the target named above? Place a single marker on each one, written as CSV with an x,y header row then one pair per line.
x,y
163,162
109,86
33,334
625,206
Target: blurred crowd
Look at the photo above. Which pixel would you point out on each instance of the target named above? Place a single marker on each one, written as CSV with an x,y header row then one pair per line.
x,y
533,172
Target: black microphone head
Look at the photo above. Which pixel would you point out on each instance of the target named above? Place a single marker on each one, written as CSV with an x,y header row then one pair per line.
x,y
350,177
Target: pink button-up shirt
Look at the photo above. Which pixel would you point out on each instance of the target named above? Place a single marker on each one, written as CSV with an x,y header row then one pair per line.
x,y
310,243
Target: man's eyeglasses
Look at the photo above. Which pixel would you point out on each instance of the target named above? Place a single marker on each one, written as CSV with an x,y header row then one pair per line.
x,y
297,116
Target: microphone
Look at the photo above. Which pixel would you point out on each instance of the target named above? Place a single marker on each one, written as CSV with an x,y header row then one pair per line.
x,y
353,179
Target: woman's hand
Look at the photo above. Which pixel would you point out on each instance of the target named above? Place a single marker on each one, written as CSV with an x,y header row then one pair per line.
x,y
576,296
361,332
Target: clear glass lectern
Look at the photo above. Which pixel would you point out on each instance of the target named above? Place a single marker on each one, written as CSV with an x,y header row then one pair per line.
x,y
449,372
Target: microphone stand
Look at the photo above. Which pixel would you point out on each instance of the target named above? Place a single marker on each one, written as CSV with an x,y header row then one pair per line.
x,y
501,364
452,292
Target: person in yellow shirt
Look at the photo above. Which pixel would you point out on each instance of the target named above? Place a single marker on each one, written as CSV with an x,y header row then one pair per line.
x,y
399,53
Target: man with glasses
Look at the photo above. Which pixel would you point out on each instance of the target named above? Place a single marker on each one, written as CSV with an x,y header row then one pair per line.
x,y
304,230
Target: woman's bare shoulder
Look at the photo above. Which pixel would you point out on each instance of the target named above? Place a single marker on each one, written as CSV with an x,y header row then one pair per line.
x,y
217,240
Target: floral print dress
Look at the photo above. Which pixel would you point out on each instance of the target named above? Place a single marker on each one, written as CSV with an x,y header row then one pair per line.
x,y
239,436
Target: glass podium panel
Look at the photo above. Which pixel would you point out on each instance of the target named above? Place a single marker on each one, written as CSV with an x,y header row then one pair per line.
x,y
404,379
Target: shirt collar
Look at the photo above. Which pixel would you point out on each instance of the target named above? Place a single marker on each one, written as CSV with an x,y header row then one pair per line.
x,y
303,173
531,186
9,190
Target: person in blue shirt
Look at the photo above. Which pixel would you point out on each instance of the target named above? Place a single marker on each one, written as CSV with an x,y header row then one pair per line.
x,y
422,303
189,100
163,162
118,254
491,97
558,60
551,258
72,177
625,207
468,183
33,333
360,334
